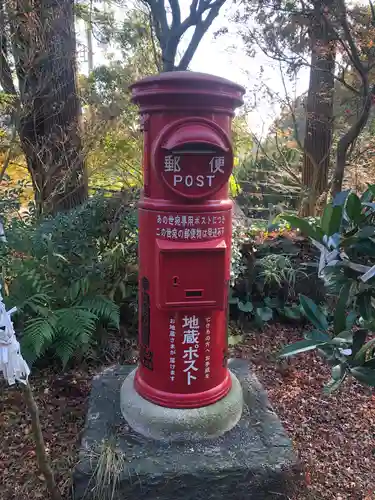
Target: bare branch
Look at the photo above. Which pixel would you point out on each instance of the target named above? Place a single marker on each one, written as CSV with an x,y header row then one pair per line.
x,y
169,37
201,27
291,109
351,135
284,167
156,58
159,17
300,60
176,13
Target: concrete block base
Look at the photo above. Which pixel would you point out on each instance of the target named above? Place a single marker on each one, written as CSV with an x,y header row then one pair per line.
x,y
253,461
171,424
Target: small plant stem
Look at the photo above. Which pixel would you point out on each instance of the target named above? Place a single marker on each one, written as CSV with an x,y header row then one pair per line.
x,y
41,455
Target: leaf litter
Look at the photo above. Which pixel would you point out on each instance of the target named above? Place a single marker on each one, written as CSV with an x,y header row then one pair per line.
x,y
334,436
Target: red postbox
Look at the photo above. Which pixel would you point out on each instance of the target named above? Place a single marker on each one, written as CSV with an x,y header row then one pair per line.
x,y
185,223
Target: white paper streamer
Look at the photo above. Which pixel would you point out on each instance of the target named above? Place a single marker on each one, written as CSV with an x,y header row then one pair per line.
x,y
2,233
12,364
331,257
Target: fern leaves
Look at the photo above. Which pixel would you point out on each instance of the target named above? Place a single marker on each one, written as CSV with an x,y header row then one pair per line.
x,y
68,330
62,272
105,309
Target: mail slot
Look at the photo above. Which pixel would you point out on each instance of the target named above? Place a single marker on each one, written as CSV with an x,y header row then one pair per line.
x,y
189,294
185,230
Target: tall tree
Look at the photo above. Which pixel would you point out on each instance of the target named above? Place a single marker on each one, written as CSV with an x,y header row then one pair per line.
x,y
292,33
319,107
169,33
41,39
314,34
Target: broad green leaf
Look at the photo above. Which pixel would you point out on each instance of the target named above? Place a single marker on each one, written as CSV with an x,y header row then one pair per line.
x,y
326,218
317,336
304,226
350,320
337,371
273,302
313,313
233,300
367,196
365,232
265,313
360,357
331,219
345,337
245,306
364,374
359,338
340,198
365,307
298,347
339,321
292,312
370,363
353,208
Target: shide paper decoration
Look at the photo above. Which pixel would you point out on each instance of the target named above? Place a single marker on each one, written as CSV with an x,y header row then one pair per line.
x,y
12,364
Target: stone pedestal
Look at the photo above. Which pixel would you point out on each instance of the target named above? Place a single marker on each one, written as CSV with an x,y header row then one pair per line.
x,y
254,460
172,424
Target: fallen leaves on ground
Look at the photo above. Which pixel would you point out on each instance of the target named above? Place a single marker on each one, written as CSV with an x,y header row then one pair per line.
x,y
333,435
62,404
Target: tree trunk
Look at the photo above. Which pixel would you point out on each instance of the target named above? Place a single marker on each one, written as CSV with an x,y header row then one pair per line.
x,y
44,49
319,111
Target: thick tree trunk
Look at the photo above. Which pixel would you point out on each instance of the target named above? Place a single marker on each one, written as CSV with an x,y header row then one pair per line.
x,y
44,50
319,112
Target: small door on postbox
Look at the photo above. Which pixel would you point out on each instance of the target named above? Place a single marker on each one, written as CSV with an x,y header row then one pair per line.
x,y
191,275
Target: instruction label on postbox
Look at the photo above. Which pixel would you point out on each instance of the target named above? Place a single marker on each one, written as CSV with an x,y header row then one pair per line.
x,y
191,227
195,159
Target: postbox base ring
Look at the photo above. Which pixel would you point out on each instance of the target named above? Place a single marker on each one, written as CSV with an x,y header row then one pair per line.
x,y
176,400
180,424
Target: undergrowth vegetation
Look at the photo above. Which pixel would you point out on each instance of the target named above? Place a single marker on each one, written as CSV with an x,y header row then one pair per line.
x,y
343,334
70,275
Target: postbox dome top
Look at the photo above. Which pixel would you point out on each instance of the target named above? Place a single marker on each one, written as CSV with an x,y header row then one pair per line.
x,y
187,88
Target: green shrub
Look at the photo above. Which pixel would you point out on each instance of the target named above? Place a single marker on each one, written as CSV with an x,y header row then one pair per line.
x,y
265,274
345,238
69,274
